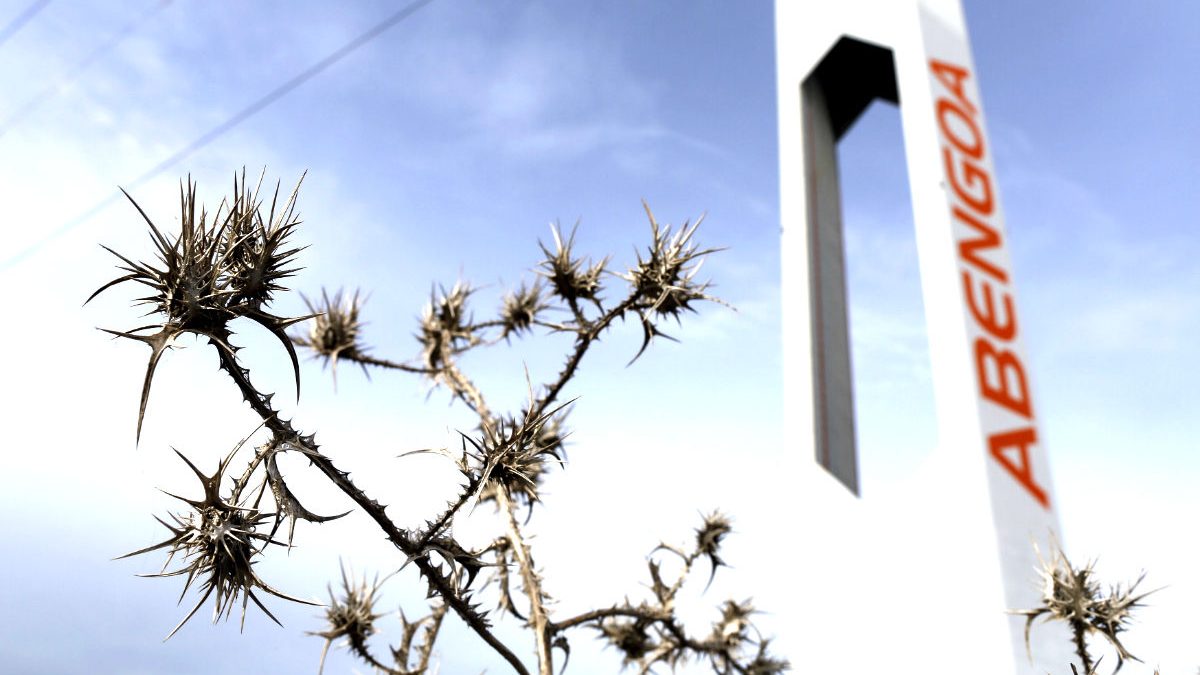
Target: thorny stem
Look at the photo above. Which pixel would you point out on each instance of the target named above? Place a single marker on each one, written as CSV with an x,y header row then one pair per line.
x,y
575,310
494,323
435,527
677,631
399,538
688,561
463,388
664,618
606,613
589,331
531,581
466,390
244,479
359,647
704,647
368,360
432,623
430,637
1078,633
506,601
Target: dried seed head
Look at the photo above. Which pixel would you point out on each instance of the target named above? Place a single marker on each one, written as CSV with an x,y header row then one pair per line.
x,y
732,629
708,539
445,328
253,245
570,278
218,542
765,664
335,328
1071,594
709,535
520,309
350,614
665,279
664,282
189,289
628,636
212,273
518,452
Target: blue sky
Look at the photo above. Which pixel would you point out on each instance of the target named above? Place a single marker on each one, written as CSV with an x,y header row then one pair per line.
x,y
440,151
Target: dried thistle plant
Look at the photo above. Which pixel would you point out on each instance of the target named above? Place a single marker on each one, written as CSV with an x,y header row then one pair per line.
x,y
571,278
445,332
213,272
665,279
520,310
232,266
651,633
334,330
351,616
1072,595
218,541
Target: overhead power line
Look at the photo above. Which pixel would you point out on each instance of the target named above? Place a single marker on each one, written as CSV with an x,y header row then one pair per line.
x,y
22,19
73,73
214,133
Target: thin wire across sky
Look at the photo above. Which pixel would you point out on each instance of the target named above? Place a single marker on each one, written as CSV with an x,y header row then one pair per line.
x,y
73,73
18,22
220,129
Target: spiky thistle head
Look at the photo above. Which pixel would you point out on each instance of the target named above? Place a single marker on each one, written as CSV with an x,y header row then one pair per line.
x,y
709,536
665,278
218,542
664,283
254,244
188,286
731,630
211,273
335,328
571,278
516,453
734,635
1072,595
350,614
765,664
628,636
445,325
520,309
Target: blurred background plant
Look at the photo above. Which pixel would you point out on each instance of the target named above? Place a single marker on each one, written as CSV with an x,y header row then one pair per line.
x,y
1072,595
230,267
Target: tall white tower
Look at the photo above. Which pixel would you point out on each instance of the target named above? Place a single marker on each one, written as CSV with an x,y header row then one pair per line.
x,y
955,544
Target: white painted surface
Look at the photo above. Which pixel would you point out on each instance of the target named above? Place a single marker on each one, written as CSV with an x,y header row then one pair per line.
x,y
960,535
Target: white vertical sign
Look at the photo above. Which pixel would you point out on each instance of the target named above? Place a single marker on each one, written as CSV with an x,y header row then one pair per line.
x,y
990,442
